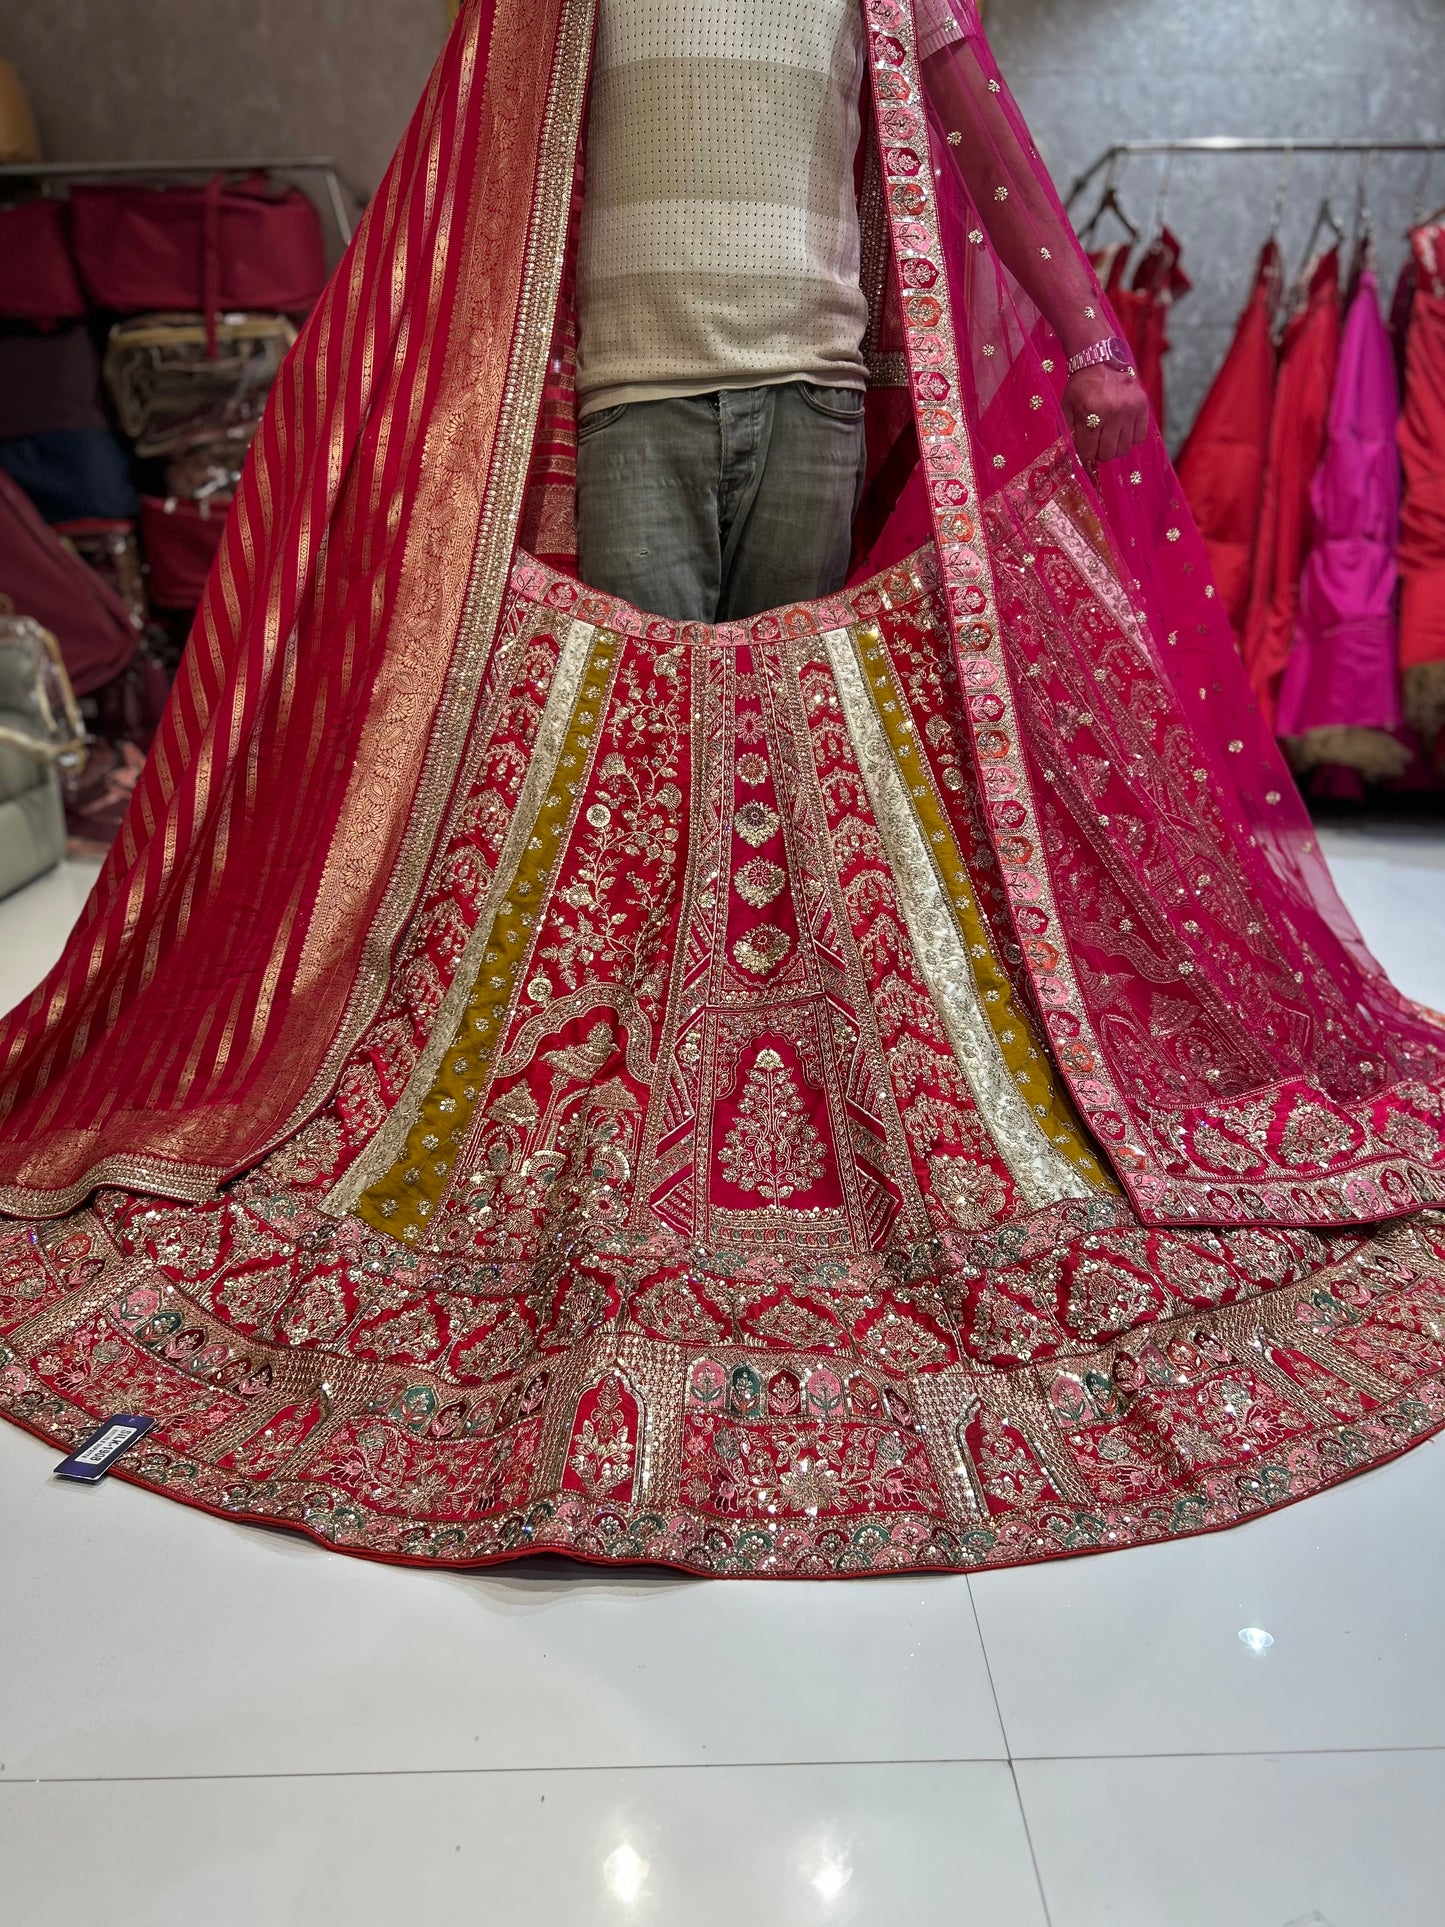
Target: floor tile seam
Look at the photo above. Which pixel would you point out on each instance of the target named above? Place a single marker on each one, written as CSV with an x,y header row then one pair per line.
x,y
1229,1753
495,1772
1023,1813
988,1670
1012,1772
1096,1760
863,1763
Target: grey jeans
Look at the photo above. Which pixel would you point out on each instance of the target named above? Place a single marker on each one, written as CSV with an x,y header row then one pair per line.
x,y
719,506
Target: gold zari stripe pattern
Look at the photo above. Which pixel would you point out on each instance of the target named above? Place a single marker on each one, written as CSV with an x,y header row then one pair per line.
x,y
1013,1082
402,1201
389,1142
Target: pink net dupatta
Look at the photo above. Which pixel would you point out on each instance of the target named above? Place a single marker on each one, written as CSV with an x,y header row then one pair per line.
x,y
1232,1043
241,932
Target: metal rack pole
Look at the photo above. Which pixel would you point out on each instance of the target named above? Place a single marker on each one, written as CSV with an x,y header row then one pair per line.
x,y
1252,144
115,170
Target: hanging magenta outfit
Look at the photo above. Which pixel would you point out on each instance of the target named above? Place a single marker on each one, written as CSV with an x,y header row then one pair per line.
x,y
1222,464
1422,534
1296,437
1342,672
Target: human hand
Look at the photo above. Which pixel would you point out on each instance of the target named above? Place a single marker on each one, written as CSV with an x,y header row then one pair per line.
x,y
1107,411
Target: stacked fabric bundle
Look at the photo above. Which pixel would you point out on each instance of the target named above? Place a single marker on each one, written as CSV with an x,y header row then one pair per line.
x,y
40,735
141,328
190,392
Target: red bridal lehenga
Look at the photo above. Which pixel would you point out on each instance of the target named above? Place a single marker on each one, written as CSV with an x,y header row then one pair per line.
x,y
888,1085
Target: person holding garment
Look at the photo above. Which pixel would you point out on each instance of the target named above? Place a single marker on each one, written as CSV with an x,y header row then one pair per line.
x,y
720,368
772,1049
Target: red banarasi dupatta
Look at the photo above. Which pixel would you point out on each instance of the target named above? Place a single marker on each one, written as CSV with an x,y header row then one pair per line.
x,y
242,929
888,1083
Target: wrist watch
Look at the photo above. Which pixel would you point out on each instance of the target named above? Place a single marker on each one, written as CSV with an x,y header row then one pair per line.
x,y
1111,352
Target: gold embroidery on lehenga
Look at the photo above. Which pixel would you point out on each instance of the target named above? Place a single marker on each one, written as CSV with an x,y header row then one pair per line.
x,y
758,883
762,949
386,1146
1047,1164
755,823
603,1449
773,1149
403,1199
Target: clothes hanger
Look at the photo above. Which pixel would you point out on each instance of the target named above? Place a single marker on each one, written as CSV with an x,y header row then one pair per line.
x,y
1156,224
1326,219
1158,273
1109,203
1421,218
1363,243
1281,192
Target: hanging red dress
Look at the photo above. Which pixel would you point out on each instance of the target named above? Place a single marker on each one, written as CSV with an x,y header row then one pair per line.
x,y
1422,529
1111,264
1222,464
1296,437
1339,698
1401,308
1156,284
1142,306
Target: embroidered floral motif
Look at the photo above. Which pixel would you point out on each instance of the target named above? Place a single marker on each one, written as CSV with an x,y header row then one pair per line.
x,y
975,1198
603,1448
758,883
1315,1135
1008,1469
755,823
773,1150
762,949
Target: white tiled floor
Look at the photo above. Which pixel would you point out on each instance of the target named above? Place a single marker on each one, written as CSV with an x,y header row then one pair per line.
x,y
201,1722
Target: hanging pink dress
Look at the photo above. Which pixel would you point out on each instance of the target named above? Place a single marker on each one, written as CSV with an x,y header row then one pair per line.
x,y
1342,672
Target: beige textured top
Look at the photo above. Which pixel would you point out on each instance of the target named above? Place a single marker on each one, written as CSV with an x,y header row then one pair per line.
x,y
720,242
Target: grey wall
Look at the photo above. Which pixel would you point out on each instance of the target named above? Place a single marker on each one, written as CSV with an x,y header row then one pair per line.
x,y
1089,72
176,79
130,79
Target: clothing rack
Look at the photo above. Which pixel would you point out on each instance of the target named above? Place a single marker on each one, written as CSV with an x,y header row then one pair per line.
x,y
1286,144
120,170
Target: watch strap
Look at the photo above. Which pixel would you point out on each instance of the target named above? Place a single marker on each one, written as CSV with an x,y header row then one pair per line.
x,y
1110,352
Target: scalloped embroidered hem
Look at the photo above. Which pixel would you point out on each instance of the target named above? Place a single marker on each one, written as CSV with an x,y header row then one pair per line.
x,y
750,1456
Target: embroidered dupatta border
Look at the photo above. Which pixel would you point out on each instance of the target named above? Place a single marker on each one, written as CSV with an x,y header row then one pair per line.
x,y
494,544
1371,1184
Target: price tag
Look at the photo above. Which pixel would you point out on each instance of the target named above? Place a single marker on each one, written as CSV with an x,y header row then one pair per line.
x,y
100,1451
